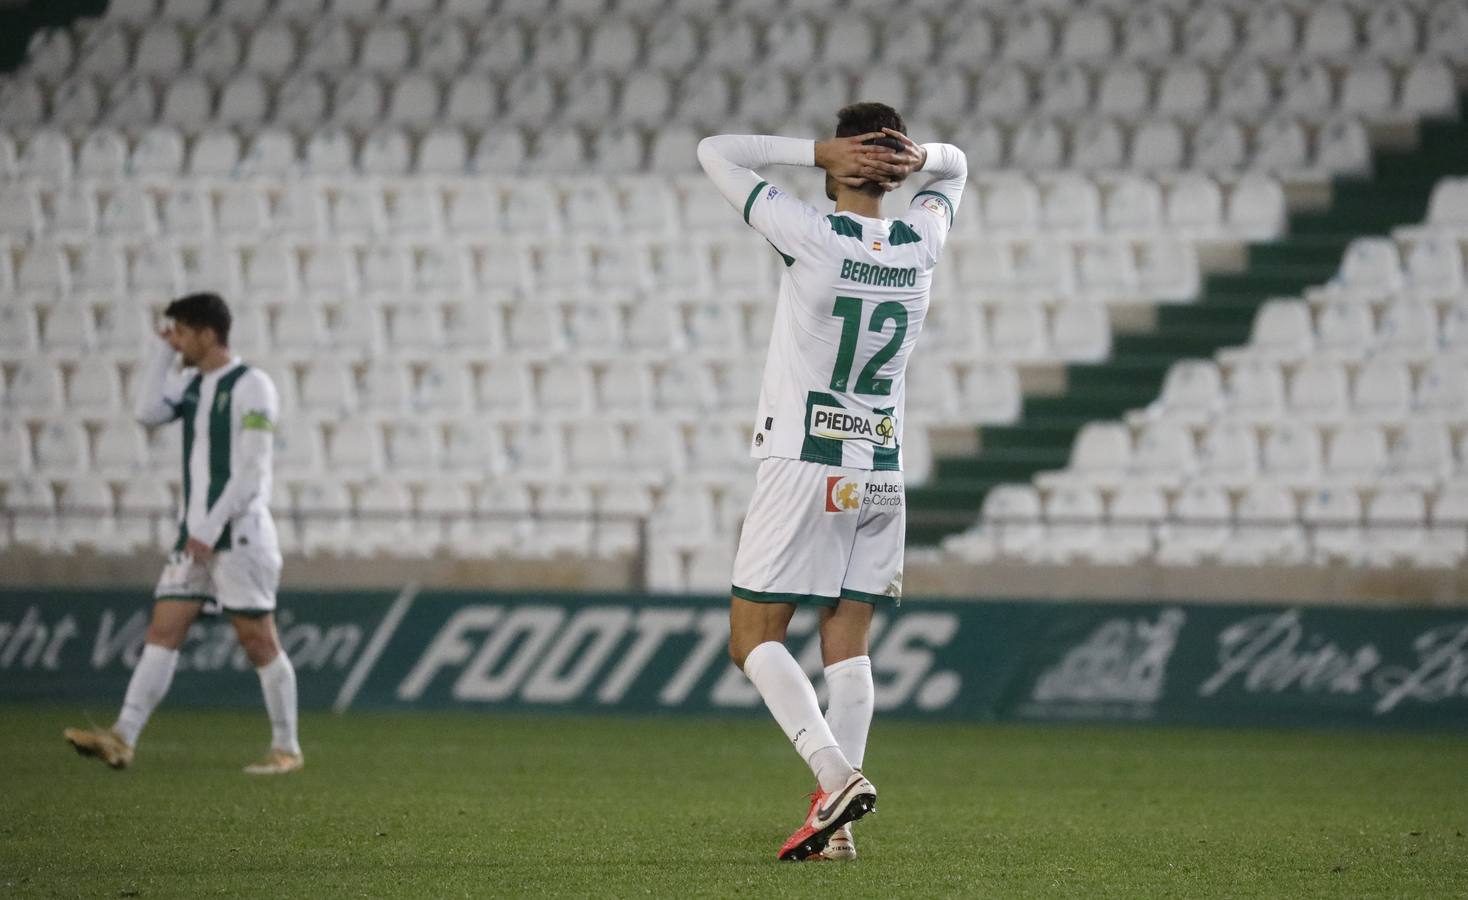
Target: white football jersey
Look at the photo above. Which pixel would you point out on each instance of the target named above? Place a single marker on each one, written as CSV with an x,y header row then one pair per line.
x,y
853,297
228,418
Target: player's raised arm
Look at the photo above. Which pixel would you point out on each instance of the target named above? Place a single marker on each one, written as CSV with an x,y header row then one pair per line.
x,y
731,161
948,170
256,407
157,396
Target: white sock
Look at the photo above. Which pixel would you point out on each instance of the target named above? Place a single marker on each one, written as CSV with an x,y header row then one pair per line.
x,y
145,690
278,683
792,701
849,709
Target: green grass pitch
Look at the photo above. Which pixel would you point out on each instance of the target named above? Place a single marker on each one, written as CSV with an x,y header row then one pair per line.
x,y
428,805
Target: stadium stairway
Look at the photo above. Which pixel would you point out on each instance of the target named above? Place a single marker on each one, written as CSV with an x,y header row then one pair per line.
x,y
1396,194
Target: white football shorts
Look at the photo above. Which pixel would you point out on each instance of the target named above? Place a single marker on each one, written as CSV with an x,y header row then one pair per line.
x,y
816,533
242,580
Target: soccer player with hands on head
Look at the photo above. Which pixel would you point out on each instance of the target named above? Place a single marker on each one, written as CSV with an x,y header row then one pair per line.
x,y
826,524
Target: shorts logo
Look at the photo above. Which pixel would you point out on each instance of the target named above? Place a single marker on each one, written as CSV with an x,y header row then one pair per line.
x,y
842,494
889,494
839,424
772,193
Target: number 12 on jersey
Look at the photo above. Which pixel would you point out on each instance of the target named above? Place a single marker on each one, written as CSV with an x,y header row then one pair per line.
x,y
848,309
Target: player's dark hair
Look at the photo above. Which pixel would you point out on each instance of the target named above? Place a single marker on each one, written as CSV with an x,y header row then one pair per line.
x,y
860,118
203,310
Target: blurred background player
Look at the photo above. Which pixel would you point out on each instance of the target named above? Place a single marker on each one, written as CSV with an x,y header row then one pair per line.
x,y
227,555
826,524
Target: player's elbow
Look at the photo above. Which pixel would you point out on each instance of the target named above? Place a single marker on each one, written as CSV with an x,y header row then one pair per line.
x,y
713,153
707,155
960,163
149,415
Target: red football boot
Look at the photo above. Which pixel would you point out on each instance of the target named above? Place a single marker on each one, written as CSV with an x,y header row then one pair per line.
x,y
828,812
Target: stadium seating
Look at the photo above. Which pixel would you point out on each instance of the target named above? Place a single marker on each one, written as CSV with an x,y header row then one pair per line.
x,y
1355,391
468,236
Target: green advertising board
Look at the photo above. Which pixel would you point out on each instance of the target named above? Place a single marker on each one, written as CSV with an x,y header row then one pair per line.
x,y
1168,663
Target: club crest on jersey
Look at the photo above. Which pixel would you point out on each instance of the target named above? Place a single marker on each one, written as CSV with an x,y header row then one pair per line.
x,y
843,493
839,424
935,206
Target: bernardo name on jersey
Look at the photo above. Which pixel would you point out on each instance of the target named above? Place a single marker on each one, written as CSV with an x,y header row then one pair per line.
x,y
852,301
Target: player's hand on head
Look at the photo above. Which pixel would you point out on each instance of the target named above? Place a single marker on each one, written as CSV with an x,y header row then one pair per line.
x,y
849,159
856,161
169,336
894,165
912,156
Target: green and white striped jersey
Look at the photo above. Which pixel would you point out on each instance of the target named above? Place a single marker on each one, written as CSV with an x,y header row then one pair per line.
x,y
852,300
228,417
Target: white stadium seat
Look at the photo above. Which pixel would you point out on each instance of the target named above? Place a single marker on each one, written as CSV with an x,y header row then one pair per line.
x,y
990,393
1330,32
1192,392
1148,33
1199,528
1371,270
1130,526
1012,205
1356,456
1256,391
1318,391
15,447
1333,516
86,508
1228,455
1010,525
1343,331
19,332
1396,530
1291,454
1267,530
1421,456
1101,455
34,501
1065,90
1195,206
1281,144
1381,392
1256,208
61,448
1072,205
1407,331
1428,90
1442,390
1448,538
1163,455
1080,332
1435,267
94,389
1073,525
